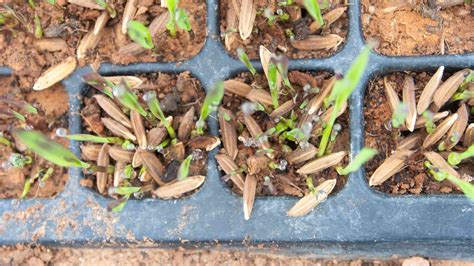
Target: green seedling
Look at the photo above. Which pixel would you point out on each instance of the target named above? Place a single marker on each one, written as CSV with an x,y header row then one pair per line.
x,y
183,171
107,7
155,109
125,192
163,145
19,161
440,175
140,34
269,184
178,17
429,124
94,138
281,62
52,2
455,158
272,83
210,104
38,28
465,95
100,83
4,141
286,3
127,98
398,117
341,92
32,4
312,6
365,155
245,59
309,183
42,175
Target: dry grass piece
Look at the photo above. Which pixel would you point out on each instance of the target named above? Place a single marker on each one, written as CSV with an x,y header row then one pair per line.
x,y
310,201
330,41
109,106
410,100
102,161
178,188
426,96
389,167
440,130
247,16
250,187
55,74
228,132
439,162
231,169
322,163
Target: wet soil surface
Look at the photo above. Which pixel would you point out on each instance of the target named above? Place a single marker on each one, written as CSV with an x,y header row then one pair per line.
x,y
414,178
274,37
418,29
177,95
287,181
52,107
66,24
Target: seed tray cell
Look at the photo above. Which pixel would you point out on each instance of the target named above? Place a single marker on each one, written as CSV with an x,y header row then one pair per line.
x,y
354,222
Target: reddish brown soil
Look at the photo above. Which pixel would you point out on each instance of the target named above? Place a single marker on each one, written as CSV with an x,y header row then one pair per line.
x,y
71,22
177,94
286,182
418,29
413,179
52,107
274,37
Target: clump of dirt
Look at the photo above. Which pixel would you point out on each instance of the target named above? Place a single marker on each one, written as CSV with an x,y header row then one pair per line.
x,y
66,24
283,177
423,28
279,35
414,177
52,107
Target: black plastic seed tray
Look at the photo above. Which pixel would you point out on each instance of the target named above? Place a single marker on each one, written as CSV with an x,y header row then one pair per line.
x,y
355,222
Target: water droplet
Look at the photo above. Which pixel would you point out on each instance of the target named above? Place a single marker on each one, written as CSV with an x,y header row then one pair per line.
x,y
248,108
118,91
41,184
198,154
337,127
149,96
138,195
61,132
321,196
306,87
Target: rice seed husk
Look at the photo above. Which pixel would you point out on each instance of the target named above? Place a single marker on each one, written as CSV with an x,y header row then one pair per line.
x,y
254,128
228,133
301,155
118,172
391,94
327,115
117,129
100,22
426,96
322,163
250,187
315,42
158,24
265,56
153,166
389,167
469,136
156,136
256,163
440,131
131,81
237,87
207,143
236,5
230,168
90,152
180,187
119,154
137,159
329,18
102,161
439,162
410,100
50,44
55,74
456,131
186,125
232,23
316,102
448,3
247,16
307,203
145,177
420,121
261,96
109,106
410,142
176,152
283,109
128,14
138,128
448,88
87,43
86,3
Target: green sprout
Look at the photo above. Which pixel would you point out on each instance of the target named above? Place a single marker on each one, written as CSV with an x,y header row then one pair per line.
x,y
42,175
4,141
140,34
440,175
52,2
178,17
429,124
465,95
210,104
125,192
127,98
155,109
100,83
19,161
455,158
245,59
365,155
398,117
312,6
38,29
107,7
32,4
309,183
341,92
272,83
94,138
183,171
281,62
286,2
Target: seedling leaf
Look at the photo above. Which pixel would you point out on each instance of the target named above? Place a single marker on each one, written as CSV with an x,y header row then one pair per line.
x,y
365,155
245,59
183,171
139,33
312,6
210,104
182,20
127,98
272,83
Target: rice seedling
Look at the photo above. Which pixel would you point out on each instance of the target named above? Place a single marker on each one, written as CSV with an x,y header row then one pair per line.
x,y
177,18
139,33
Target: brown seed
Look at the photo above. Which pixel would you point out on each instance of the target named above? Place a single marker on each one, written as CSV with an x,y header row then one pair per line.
x,y
158,24
50,44
156,136
426,96
176,189
440,130
246,18
322,163
90,152
469,136
153,166
439,162
176,152
448,88
138,128
250,187
118,173
117,129
86,3
256,163
131,81
230,168
410,100
456,131
55,74
391,94
329,18
132,48
137,159
102,161
316,102
145,177
186,125
260,96
207,143
314,42
421,121
311,200
112,109
119,154
254,128
283,109
410,142
301,155
100,22
265,57
232,23
448,3
389,167
128,14
87,44
228,133
237,87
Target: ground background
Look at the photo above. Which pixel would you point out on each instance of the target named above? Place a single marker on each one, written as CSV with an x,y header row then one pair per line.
x,y
37,255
